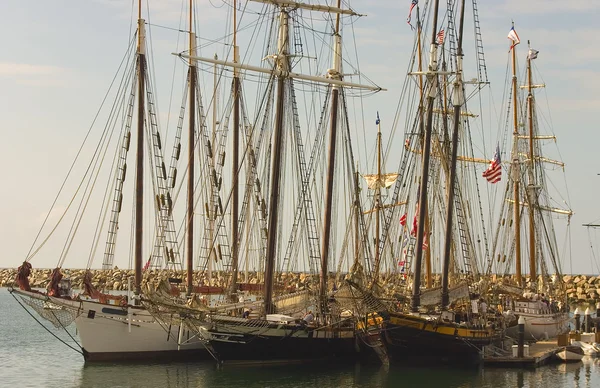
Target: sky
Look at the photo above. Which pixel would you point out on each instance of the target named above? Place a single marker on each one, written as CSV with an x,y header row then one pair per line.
x,y
59,56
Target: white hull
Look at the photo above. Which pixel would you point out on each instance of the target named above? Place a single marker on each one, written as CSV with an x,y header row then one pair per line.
x,y
113,335
541,326
568,356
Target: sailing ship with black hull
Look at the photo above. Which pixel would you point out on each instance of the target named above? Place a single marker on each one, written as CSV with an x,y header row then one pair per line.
x,y
282,330
541,298
436,322
113,327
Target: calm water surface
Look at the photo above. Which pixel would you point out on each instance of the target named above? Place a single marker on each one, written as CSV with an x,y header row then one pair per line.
x,y
32,357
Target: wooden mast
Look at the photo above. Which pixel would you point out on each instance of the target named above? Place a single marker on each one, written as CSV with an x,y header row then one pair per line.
x,y
281,64
458,100
235,161
191,147
531,188
432,84
334,73
139,175
210,212
377,203
428,271
516,170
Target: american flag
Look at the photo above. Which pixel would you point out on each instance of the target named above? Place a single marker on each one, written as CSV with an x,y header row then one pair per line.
x,y
494,171
440,36
413,3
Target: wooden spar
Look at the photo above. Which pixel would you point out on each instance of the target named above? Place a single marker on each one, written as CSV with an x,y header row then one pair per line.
x,y
458,101
515,170
432,78
377,203
335,74
422,130
211,214
356,215
531,186
139,175
235,162
191,147
282,64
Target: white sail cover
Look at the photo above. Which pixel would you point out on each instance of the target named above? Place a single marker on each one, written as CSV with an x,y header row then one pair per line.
x,y
384,181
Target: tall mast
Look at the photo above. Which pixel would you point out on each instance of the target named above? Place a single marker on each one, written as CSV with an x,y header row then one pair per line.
x,y
211,213
333,73
457,100
139,175
516,172
531,188
421,132
191,146
282,64
235,161
356,220
377,202
431,94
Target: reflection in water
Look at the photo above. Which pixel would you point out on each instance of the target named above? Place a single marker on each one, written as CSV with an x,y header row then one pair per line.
x,y
207,375
185,375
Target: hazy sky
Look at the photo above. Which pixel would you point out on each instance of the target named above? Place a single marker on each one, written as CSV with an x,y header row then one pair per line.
x,y
59,56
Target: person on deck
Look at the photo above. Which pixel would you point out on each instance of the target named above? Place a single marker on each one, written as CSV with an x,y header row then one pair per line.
x,y
309,318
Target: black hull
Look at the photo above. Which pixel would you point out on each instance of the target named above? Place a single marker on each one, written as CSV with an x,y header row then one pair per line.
x,y
425,344
280,349
160,356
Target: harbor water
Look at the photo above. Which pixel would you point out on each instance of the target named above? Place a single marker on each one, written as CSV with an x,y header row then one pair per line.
x,y
30,356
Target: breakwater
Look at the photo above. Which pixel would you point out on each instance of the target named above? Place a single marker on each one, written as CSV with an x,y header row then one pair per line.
x,y
579,289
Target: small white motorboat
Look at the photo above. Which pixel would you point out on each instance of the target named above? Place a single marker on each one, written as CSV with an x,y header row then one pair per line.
x,y
570,353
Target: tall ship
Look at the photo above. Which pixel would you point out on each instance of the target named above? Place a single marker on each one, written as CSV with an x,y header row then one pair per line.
x,y
117,327
306,322
430,306
525,242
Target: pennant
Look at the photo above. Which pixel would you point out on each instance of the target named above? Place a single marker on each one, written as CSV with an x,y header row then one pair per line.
x,y
403,220
377,121
493,174
512,35
532,54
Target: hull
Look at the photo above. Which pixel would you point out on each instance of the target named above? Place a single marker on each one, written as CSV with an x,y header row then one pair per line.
x,y
417,340
256,341
570,354
539,326
108,333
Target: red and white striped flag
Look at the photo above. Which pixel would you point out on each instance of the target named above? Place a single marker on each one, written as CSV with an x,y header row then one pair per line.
x,y
440,37
493,174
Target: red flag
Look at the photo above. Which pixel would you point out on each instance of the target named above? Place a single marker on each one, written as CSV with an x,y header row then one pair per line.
x,y
403,220
413,231
146,266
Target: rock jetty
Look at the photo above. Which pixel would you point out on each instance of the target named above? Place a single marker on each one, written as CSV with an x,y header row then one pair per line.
x,y
579,289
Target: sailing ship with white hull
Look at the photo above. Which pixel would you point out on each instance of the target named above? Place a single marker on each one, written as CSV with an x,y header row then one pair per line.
x,y
541,300
112,327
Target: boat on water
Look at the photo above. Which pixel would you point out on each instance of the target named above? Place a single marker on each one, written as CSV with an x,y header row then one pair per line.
x,y
530,192
118,327
570,353
278,329
436,323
